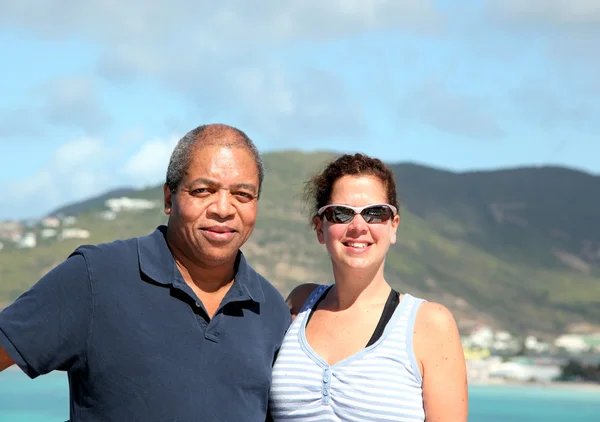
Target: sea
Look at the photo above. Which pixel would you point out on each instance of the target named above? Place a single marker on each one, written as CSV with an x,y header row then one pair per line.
x,y
46,398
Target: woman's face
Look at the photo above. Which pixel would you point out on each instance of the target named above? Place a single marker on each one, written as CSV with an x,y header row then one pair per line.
x,y
357,244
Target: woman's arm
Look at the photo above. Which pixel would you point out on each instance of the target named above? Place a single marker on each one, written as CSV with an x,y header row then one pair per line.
x,y
5,360
440,356
298,296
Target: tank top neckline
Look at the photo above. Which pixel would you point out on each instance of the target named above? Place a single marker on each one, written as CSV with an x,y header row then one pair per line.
x,y
315,357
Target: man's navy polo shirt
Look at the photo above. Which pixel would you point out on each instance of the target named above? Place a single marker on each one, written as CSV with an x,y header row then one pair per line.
x,y
137,343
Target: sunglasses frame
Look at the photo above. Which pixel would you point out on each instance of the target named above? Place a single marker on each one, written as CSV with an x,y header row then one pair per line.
x,y
357,210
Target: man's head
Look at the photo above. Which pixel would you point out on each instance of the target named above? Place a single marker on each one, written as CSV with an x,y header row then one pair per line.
x,y
214,134
213,183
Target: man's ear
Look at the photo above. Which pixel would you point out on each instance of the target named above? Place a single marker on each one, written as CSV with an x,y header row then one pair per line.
x,y
318,223
168,196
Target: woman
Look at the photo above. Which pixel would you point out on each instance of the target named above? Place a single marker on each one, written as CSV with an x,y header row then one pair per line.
x,y
358,350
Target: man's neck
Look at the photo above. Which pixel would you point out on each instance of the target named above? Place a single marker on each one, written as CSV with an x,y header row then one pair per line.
x,y
209,279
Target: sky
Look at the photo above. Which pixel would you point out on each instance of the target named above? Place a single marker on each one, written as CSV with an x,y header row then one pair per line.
x,y
94,94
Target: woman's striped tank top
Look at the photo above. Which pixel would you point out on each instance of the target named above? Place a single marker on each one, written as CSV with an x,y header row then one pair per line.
x,y
379,383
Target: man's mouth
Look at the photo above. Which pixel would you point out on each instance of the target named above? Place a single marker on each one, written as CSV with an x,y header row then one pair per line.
x,y
218,233
219,229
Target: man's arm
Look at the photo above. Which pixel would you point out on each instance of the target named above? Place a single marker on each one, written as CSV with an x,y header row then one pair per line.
x,y
5,360
46,328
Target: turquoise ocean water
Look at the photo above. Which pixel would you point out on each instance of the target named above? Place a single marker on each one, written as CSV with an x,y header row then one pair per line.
x,y
46,400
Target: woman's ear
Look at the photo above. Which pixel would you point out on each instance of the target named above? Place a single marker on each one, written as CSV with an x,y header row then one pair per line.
x,y
394,228
318,224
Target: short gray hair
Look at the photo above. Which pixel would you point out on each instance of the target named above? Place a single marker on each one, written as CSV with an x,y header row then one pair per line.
x,y
182,154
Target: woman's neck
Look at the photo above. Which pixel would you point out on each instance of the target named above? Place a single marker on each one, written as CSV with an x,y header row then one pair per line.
x,y
358,287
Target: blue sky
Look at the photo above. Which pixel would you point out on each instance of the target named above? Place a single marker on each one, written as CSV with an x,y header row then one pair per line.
x,y
94,94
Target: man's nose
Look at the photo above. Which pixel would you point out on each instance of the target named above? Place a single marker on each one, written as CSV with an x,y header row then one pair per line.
x,y
222,204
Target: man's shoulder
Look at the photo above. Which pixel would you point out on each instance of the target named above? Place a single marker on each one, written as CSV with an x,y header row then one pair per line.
x,y
119,247
269,289
115,249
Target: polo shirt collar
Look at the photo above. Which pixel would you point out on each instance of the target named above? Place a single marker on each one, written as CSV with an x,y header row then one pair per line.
x,y
157,262
248,279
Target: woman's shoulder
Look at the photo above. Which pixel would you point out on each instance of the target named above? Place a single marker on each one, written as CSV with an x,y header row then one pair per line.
x,y
299,295
435,332
435,317
441,361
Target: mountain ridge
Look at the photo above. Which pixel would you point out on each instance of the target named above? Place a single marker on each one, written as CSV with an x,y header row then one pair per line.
x,y
464,240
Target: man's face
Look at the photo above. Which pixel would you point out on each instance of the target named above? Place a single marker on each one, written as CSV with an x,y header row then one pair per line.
x,y
213,212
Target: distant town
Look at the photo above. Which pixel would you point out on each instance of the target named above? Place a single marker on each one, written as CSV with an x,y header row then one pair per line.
x,y
493,356
27,234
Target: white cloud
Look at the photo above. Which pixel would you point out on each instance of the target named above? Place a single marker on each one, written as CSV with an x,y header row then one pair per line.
x,y
549,12
148,165
213,24
19,122
82,168
171,37
77,169
569,31
72,154
550,108
72,102
289,107
209,52
435,104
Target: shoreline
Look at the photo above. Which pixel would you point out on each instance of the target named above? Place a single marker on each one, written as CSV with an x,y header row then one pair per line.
x,y
557,385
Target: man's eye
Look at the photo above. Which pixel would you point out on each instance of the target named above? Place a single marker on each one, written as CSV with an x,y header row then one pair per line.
x,y
199,191
245,195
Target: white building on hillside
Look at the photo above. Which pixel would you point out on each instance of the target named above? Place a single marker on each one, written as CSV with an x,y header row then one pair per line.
x,y
11,230
573,343
73,233
51,222
28,241
47,233
108,215
482,337
521,371
69,220
129,204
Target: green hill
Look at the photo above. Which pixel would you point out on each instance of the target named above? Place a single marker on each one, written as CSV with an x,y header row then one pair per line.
x,y
514,248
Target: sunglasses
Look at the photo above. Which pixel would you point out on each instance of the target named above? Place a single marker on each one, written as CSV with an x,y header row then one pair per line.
x,y
343,214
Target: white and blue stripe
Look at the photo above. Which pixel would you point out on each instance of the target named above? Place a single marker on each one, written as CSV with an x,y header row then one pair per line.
x,y
379,383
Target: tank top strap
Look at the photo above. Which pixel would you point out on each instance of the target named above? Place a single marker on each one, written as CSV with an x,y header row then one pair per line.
x,y
314,297
411,305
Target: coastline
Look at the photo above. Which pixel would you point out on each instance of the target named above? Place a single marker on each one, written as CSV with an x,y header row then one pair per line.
x,y
496,382
558,385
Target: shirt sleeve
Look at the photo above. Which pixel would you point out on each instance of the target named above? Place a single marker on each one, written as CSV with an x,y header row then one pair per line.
x,y
47,327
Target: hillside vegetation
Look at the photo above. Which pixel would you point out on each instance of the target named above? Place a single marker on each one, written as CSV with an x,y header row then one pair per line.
x,y
514,248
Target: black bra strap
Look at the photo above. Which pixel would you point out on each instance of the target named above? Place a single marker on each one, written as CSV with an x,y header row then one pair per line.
x,y
391,304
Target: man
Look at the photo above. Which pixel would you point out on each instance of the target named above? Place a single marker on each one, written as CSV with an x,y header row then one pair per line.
x,y
173,326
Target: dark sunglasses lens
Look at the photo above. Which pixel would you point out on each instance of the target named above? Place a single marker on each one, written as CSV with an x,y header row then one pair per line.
x,y
377,214
339,214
